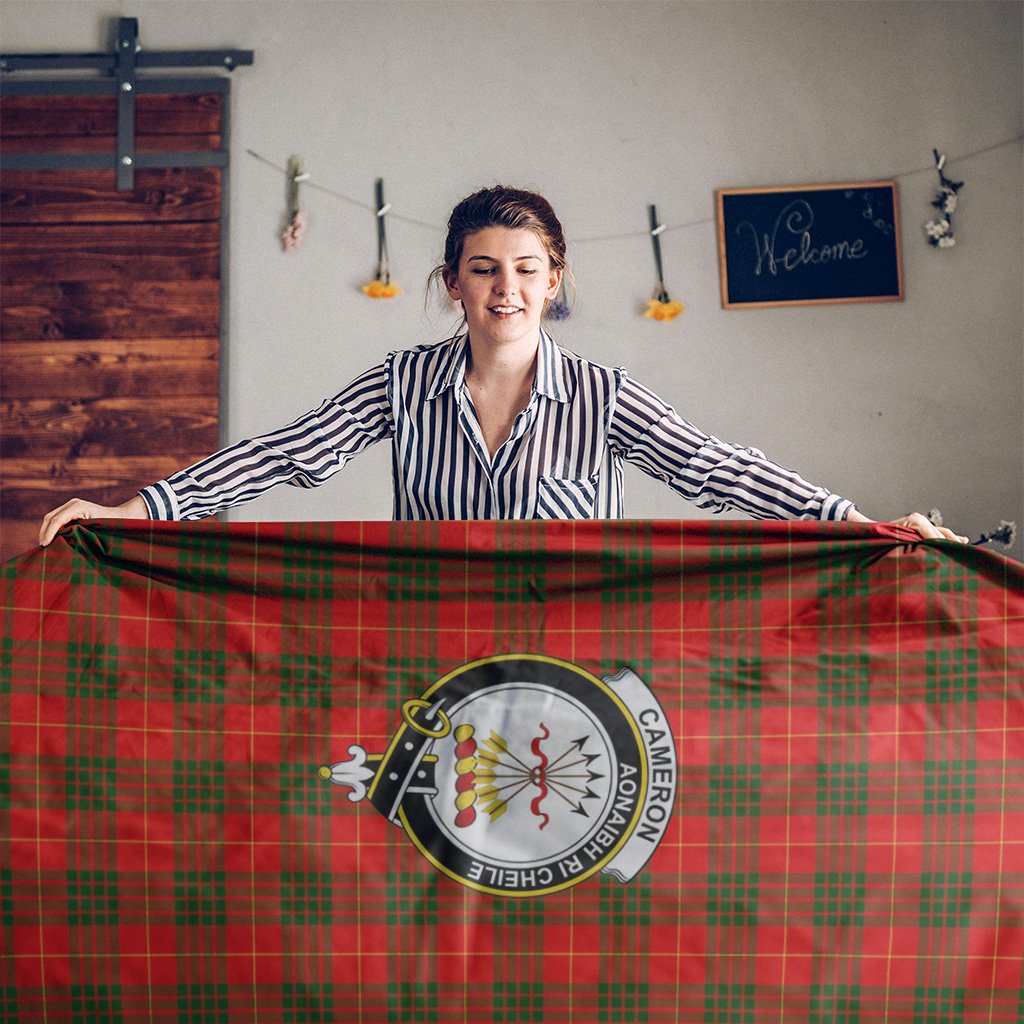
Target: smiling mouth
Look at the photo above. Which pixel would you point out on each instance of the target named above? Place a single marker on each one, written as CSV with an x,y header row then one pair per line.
x,y
505,310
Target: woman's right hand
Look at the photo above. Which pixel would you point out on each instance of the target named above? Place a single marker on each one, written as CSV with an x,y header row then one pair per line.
x,y
76,508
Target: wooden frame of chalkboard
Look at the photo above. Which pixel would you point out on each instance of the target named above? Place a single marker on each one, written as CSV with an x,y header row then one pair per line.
x,y
810,245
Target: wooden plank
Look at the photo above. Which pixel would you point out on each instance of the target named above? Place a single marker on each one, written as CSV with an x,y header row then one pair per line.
x,y
33,486
75,116
18,536
163,195
83,116
110,368
118,309
72,428
97,252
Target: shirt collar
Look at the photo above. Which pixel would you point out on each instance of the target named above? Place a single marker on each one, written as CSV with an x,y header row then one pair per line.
x,y
451,370
550,379
551,374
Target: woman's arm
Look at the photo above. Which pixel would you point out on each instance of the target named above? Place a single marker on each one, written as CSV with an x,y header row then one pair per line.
x,y
715,474
305,453
712,473
914,521
76,508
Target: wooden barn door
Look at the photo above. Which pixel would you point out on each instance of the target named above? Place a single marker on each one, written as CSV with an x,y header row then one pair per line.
x,y
111,300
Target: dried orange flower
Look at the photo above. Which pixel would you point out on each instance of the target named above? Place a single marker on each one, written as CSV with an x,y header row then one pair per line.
x,y
657,310
379,290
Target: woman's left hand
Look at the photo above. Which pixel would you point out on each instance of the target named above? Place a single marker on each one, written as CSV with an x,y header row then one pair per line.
x,y
917,522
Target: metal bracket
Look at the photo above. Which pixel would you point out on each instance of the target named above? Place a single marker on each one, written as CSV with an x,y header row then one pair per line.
x,y
128,46
123,65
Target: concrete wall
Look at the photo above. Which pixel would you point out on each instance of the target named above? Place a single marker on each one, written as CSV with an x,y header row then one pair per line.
x,y
606,107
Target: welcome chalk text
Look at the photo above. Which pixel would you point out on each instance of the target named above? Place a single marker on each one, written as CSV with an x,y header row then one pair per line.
x,y
795,221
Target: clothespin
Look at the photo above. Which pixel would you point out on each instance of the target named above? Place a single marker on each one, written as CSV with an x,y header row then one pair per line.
x,y
940,163
295,177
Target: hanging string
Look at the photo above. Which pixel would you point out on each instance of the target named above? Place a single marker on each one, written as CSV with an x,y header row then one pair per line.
x,y
310,183
965,156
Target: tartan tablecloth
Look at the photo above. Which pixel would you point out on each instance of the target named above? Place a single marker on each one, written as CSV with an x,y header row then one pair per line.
x,y
474,772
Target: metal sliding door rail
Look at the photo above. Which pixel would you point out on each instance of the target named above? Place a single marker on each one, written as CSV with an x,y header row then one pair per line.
x,y
124,82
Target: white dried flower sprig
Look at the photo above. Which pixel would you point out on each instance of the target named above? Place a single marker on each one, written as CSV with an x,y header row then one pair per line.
x,y
940,231
1004,534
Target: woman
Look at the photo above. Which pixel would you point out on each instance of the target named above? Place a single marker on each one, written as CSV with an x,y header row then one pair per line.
x,y
496,423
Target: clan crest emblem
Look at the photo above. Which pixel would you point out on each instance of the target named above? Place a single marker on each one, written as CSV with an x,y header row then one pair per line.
x,y
521,775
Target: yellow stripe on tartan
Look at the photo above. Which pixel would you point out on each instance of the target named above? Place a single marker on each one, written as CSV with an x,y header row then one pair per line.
x,y
252,779
455,954
360,842
1002,817
466,902
145,803
38,793
572,894
895,823
789,761
681,643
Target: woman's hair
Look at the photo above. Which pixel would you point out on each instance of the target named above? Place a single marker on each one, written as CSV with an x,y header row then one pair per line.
x,y
501,207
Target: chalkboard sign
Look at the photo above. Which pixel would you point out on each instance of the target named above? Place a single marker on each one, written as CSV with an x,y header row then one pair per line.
x,y
810,245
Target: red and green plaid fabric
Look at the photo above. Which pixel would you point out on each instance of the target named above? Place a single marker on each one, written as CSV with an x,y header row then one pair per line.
x,y
846,839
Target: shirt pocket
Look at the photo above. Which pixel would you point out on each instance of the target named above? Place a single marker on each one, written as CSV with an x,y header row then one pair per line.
x,y
566,498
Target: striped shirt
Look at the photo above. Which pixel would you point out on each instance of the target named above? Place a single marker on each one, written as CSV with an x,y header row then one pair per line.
x,y
562,460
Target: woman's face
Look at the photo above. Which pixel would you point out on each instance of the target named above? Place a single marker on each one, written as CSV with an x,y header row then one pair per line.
x,y
504,280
